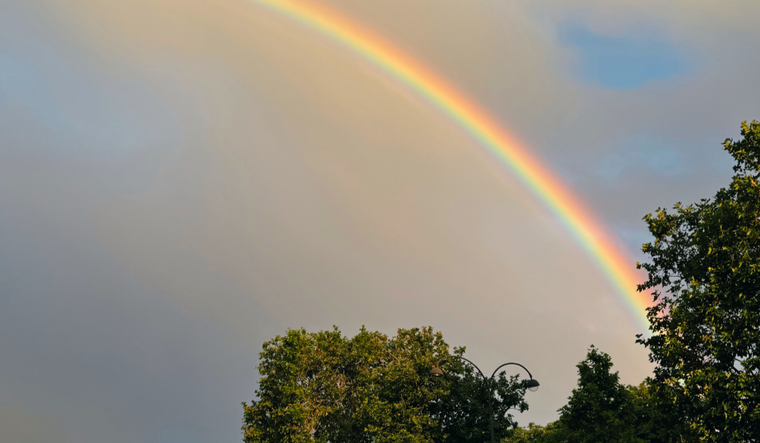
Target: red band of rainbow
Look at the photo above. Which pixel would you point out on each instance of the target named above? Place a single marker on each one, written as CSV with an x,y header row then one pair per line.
x,y
577,218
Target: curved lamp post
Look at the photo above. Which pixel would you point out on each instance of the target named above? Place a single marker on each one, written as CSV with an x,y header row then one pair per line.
x,y
532,384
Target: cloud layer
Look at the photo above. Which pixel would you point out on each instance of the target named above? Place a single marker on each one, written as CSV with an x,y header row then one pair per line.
x,y
180,181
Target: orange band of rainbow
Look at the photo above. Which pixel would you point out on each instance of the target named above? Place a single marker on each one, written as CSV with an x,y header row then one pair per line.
x,y
574,215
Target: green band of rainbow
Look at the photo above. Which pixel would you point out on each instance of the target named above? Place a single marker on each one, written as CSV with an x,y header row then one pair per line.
x,y
574,215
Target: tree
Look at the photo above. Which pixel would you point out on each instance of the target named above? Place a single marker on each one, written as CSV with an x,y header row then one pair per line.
x,y
324,387
465,412
704,275
600,409
551,433
653,420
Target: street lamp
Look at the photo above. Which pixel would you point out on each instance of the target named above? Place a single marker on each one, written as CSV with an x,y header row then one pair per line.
x,y
532,384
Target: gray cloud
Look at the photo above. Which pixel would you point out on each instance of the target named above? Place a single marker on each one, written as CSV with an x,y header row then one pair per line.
x,y
180,182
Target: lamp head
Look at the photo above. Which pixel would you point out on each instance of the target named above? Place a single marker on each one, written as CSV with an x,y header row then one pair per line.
x,y
436,371
532,385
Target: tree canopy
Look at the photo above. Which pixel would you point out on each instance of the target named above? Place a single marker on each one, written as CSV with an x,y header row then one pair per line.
x,y
600,409
704,274
324,387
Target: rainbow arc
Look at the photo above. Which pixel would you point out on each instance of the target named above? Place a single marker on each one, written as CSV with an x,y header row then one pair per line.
x,y
576,217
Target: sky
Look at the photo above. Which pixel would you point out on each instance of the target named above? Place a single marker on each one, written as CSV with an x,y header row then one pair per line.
x,y
182,180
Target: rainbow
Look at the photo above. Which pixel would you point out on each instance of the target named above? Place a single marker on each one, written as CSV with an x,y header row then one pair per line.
x,y
578,219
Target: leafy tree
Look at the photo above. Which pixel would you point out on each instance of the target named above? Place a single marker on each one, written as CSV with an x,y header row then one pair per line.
x,y
600,409
654,419
704,275
551,433
324,387
464,413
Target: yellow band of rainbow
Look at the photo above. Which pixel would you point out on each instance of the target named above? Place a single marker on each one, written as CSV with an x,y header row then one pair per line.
x,y
578,219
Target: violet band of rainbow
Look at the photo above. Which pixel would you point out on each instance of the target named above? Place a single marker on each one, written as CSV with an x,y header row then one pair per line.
x,y
575,216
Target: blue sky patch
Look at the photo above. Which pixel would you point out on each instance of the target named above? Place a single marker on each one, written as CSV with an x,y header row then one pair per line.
x,y
626,61
642,153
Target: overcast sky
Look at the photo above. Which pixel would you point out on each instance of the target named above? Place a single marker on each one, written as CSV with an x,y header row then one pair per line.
x,y
181,180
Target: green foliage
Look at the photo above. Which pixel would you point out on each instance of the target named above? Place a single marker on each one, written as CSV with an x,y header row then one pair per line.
x,y
551,433
705,278
324,387
464,412
600,409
